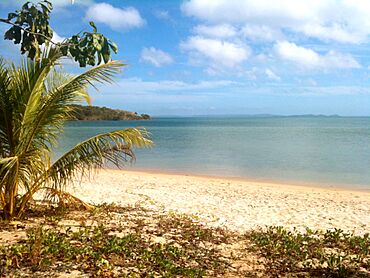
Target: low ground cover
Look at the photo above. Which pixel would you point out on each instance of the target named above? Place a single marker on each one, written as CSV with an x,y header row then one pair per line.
x,y
113,241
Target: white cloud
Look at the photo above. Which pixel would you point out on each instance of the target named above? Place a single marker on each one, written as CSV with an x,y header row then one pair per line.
x,y
218,53
226,26
340,60
134,87
57,38
69,2
245,11
139,85
333,32
271,75
260,33
292,52
251,74
116,18
216,31
162,14
311,59
56,3
332,90
156,57
346,21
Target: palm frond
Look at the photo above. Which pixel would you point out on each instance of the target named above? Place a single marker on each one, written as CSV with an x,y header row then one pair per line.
x,y
102,73
114,147
6,169
56,109
27,89
35,102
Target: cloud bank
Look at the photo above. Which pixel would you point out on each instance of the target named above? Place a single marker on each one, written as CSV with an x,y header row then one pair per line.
x,y
116,18
156,57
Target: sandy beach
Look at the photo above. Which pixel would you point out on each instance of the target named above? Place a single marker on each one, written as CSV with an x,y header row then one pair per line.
x,y
239,205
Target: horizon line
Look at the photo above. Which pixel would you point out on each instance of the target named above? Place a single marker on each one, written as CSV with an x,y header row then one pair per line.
x,y
261,115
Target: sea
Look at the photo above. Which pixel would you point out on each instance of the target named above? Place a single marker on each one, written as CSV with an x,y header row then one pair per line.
x,y
307,150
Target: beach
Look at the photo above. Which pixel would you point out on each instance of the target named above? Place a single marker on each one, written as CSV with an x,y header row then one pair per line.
x,y
237,204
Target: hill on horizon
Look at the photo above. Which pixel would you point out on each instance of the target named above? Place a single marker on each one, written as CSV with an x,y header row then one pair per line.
x,y
96,113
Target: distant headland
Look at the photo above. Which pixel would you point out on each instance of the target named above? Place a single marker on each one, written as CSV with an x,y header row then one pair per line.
x,y
95,113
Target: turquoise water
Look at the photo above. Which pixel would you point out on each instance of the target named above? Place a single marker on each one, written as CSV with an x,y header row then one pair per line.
x,y
319,150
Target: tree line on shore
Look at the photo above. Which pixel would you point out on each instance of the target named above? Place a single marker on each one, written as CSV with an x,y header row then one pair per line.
x,y
95,113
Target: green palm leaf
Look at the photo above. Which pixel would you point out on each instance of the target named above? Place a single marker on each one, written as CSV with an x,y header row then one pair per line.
x,y
113,147
36,99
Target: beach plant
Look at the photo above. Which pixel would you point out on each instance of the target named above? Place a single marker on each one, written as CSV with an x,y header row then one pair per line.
x,y
36,100
333,253
116,242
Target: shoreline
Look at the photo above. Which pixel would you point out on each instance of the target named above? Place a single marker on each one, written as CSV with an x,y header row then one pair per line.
x,y
238,205
332,186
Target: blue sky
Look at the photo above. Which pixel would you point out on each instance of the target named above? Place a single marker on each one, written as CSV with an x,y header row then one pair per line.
x,y
201,57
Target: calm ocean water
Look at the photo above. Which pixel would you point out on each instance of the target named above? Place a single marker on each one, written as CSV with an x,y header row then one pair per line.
x,y
319,150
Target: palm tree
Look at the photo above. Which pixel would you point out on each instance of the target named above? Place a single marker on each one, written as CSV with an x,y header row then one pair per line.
x,y
35,102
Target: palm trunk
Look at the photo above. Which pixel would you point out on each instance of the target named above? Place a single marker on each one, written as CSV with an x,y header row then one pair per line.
x,y
9,207
11,192
23,202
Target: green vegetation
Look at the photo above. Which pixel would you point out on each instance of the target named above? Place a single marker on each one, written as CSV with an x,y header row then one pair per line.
x,y
94,251
35,102
333,253
36,99
113,241
94,113
30,28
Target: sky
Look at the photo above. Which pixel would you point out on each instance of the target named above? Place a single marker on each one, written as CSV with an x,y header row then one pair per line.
x,y
225,57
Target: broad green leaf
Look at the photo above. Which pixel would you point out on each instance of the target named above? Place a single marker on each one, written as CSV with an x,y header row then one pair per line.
x,y
86,49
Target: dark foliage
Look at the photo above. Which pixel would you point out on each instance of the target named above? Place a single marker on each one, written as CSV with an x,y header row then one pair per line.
x,y
333,253
31,29
94,113
108,248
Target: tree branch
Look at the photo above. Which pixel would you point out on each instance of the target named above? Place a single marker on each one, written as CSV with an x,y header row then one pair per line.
x,y
27,31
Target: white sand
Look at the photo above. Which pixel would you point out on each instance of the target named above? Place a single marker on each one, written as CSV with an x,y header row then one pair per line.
x,y
236,204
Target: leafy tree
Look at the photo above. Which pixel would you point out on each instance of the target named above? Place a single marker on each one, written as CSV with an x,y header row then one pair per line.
x,y
36,99
30,28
